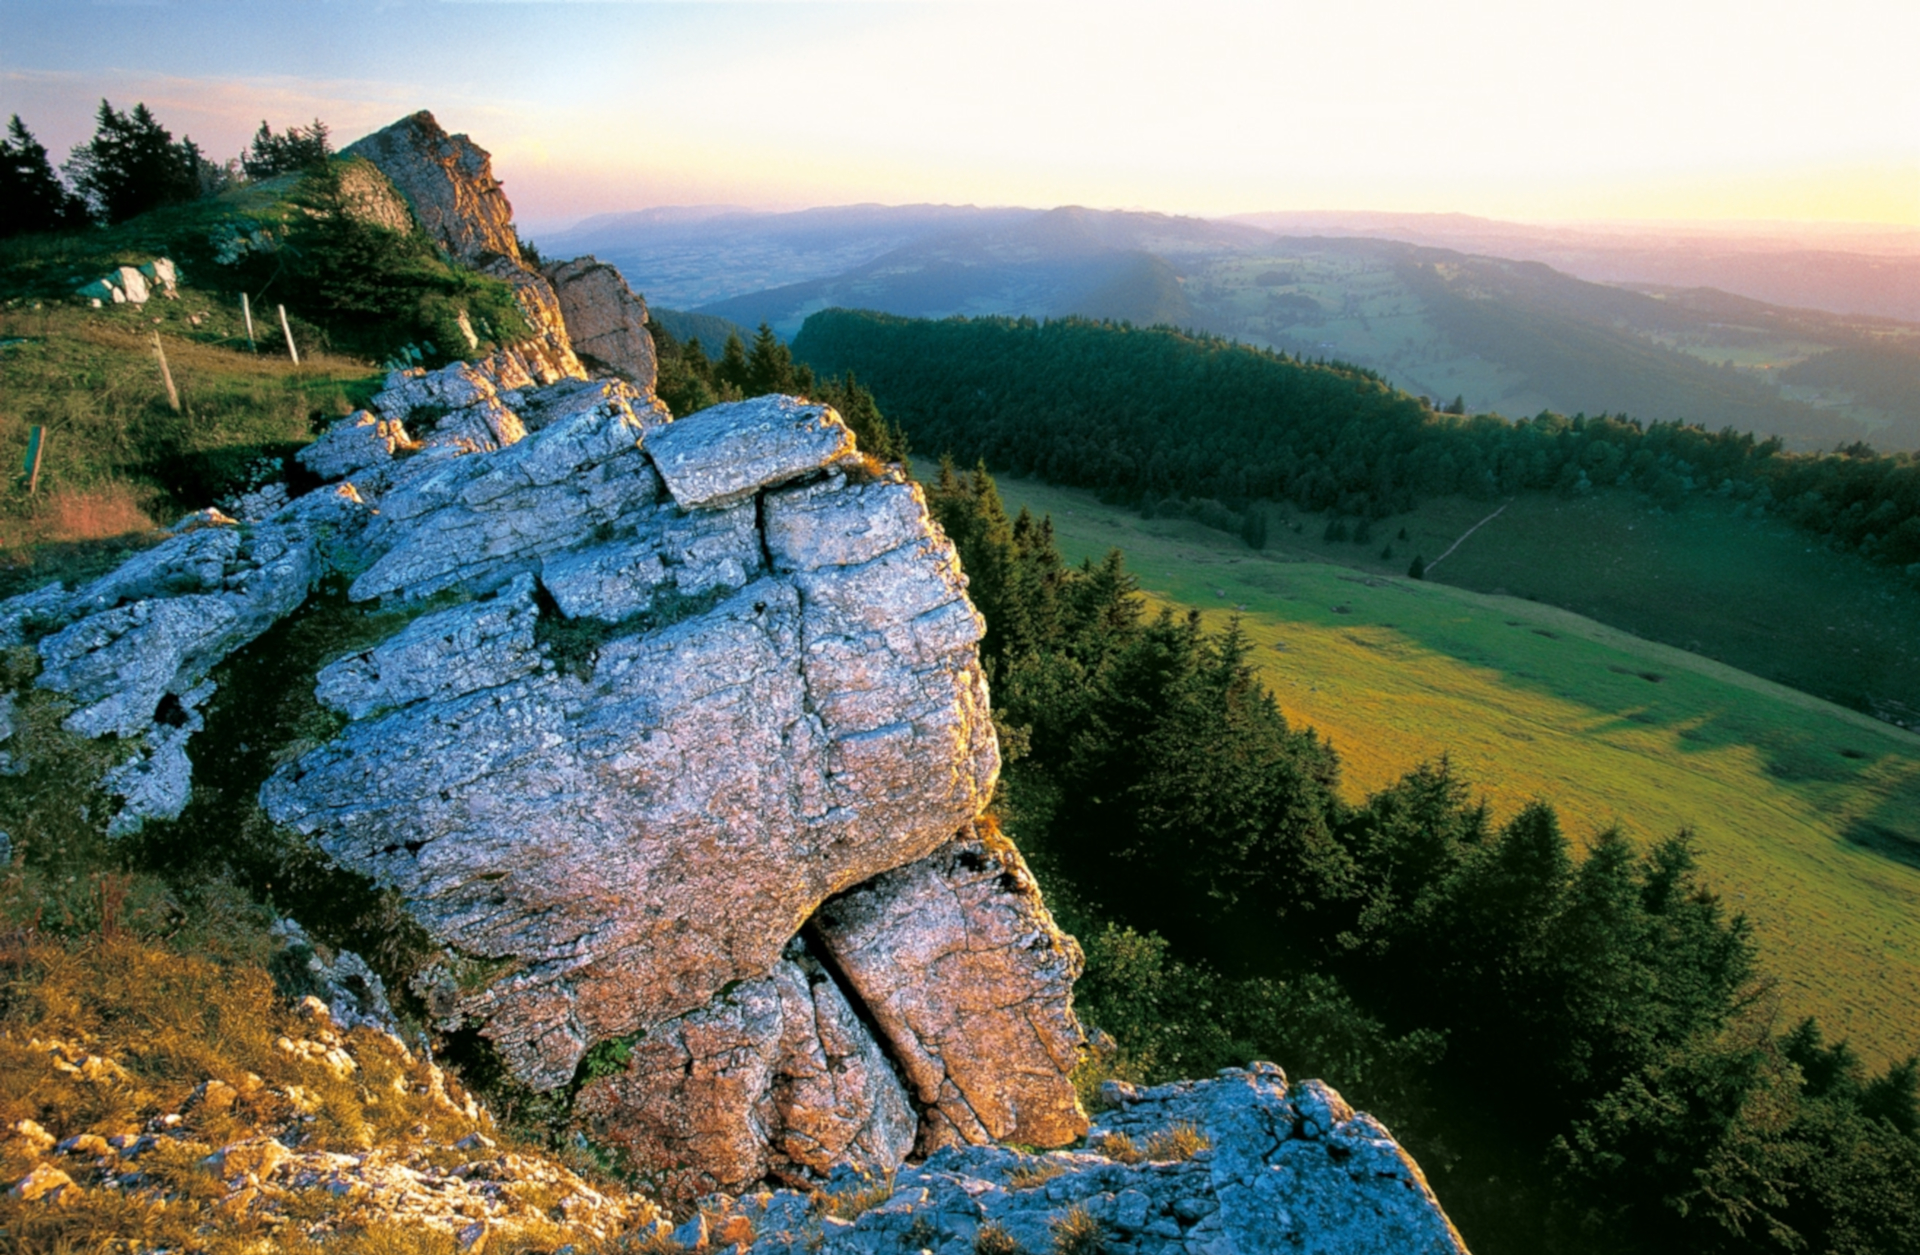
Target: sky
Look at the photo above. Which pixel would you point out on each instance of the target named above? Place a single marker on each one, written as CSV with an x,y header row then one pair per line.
x,y
1538,110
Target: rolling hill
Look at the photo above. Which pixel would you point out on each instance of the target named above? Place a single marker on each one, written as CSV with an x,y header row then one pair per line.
x,y
1501,335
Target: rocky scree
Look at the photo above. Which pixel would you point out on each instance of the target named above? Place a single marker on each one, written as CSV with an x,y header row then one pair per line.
x,y
243,1153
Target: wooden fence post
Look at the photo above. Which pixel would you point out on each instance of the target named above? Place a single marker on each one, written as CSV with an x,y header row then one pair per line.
x,y
287,331
246,312
36,451
173,394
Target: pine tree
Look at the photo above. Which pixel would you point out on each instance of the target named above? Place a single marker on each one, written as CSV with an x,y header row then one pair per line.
x,y
733,372
1418,569
132,165
298,148
32,197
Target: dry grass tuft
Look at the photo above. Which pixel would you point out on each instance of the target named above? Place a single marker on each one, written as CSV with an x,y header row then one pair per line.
x,y
854,1201
1033,1174
1118,1147
1078,1233
993,1239
1178,1143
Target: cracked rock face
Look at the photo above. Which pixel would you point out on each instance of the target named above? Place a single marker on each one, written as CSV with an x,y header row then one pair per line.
x,y
776,1078
448,182
605,320
786,720
672,687
961,967
659,728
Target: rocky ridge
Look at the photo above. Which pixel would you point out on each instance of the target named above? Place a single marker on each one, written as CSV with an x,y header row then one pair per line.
x,y
581,306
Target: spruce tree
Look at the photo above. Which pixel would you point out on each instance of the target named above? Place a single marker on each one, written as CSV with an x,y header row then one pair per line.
x,y
132,165
878,437
733,372
769,366
32,197
298,148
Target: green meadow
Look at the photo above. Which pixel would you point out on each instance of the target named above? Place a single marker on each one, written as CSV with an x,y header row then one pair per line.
x,y
1807,813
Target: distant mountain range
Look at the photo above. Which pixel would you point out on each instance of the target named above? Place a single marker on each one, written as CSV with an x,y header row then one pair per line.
x,y
1856,269
1504,316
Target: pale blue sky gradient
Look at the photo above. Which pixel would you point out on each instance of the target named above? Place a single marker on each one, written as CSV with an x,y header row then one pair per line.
x,y
1677,109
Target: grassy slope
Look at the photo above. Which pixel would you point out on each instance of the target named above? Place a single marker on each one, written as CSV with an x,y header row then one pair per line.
x,y
117,456
1535,701
1751,592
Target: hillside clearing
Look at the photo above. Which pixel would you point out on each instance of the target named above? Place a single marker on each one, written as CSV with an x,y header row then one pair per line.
x,y
1807,813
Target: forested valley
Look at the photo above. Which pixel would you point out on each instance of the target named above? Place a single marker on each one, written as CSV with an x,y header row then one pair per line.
x,y
1580,1048
1187,423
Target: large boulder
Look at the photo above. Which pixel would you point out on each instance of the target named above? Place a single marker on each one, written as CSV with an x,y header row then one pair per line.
x,y
760,691
729,452
605,320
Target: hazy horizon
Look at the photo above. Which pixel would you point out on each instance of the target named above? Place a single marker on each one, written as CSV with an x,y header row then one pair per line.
x,y
1721,228
1701,111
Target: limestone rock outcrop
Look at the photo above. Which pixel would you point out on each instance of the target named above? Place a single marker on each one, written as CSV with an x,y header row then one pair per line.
x,y
1243,1164
605,319
448,181
669,687
580,307
767,714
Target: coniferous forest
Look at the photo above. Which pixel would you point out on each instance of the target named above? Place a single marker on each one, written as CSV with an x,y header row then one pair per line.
x,y
1191,423
1577,1047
